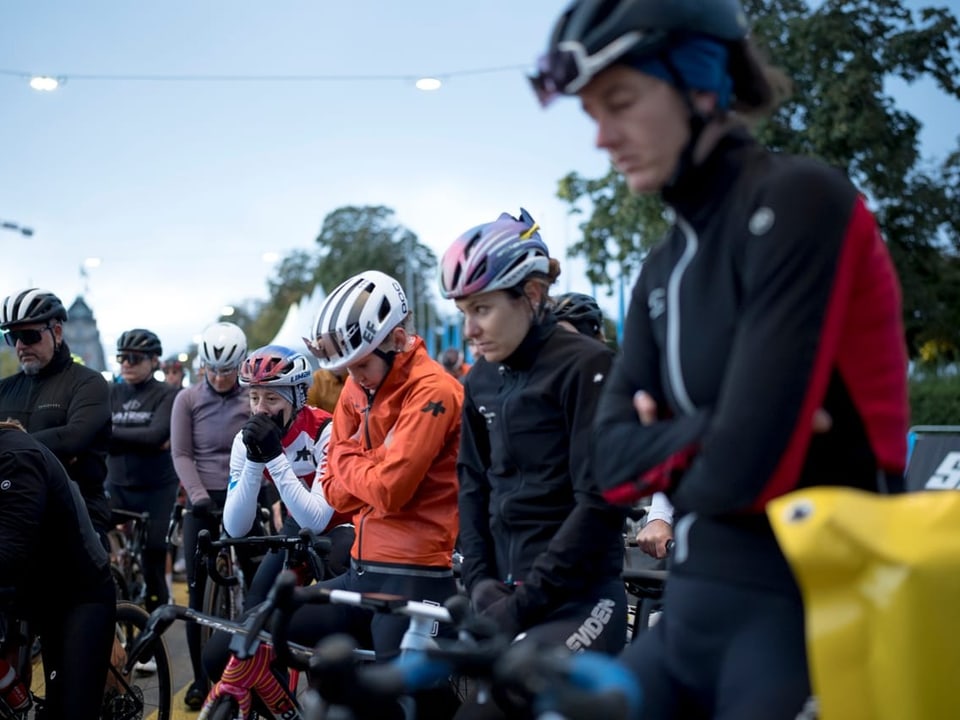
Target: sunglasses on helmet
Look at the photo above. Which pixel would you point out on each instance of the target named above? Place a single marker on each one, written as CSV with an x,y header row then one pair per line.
x,y
566,70
25,337
131,358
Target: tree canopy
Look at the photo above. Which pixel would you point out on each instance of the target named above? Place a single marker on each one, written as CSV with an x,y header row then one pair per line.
x,y
839,57
352,239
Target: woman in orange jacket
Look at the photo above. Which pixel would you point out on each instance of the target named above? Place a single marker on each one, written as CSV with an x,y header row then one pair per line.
x,y
392,459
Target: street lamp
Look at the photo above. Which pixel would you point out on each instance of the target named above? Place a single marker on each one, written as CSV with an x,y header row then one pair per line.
x,y
44,83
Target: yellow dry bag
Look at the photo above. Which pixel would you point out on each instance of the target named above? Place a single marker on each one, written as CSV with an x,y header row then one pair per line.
x,y
880,578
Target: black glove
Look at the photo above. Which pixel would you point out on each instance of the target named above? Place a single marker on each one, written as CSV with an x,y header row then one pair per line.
x,y
494,599
203,508
262,438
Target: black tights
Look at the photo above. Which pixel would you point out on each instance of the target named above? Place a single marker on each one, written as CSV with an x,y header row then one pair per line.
x,y
76,652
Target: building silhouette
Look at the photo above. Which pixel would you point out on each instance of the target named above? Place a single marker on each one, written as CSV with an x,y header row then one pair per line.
x,y
82,335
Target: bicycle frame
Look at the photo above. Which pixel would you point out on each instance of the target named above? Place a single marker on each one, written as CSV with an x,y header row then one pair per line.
x,y
558,683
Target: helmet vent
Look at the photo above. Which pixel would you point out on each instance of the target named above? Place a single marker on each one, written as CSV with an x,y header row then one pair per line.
x,y
384,310
477,273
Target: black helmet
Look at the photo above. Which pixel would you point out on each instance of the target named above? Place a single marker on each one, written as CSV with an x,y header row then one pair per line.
x,y
591,35
31,306
581,311
139,340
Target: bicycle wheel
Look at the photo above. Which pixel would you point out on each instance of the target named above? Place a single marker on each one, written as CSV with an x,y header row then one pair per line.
x,y
140,695
218,600
225,709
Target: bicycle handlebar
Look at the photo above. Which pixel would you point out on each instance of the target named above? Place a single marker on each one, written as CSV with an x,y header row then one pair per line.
x,y
317,547
583,685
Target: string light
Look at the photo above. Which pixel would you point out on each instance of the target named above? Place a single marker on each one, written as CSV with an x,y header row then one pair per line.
x,y
422,82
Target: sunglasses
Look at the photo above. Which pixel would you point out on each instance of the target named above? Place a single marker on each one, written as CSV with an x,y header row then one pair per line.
x,y
25,337
221,372
131,358
566,70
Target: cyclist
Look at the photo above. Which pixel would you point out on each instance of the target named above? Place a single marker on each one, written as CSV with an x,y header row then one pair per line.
x,y
284,442
771,302
173,371
204,420
141,476
51,556
61,403
580,312
391,462
542,550
453,362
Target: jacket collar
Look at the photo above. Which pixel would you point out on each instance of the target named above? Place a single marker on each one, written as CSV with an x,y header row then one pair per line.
x,y
61,360
704,186
403,363
523,357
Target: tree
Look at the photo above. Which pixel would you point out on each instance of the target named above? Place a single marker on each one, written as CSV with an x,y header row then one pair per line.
x,y
838,57
352,239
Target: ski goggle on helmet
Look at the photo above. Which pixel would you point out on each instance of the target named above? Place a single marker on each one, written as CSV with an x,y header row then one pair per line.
x,y
356,318
592,35
493,256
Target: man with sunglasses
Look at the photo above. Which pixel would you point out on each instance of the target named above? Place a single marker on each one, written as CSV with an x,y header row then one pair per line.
x,y
61,403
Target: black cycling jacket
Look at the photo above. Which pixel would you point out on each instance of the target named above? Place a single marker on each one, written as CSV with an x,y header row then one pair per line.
x,y
66,406
773,295
140,447
530,512
49,550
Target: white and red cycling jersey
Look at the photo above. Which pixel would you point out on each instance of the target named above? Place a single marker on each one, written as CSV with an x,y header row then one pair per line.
x,y
293,473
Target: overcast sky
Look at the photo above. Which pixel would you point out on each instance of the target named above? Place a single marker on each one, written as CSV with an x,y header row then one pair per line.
x,y
181,187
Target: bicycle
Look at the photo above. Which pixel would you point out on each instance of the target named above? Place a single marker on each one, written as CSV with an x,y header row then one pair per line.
x,y
128,695
224,594
128,537
276,695
644,578
549,680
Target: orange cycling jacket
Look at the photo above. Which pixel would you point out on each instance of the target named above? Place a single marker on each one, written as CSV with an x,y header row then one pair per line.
x,y
392,462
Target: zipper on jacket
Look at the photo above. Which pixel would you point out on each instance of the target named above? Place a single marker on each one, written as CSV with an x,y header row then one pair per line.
x,y
511,376
363,517
366,416
674,369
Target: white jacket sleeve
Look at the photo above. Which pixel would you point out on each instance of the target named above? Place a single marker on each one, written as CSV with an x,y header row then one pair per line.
x,y
660,509
308,507
246,476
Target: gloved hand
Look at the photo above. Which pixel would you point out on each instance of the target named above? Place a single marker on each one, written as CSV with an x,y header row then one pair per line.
x,y
494,599
203,507
262,437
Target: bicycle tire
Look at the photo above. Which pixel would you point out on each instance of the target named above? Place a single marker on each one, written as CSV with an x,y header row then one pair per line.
x,y
140,695
219,600
226,708
123,592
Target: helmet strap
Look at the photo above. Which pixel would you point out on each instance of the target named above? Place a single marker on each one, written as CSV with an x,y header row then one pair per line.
x,y
697,121
387,356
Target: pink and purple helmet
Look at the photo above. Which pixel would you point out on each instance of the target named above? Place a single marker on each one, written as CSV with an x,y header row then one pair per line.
x,y
493,256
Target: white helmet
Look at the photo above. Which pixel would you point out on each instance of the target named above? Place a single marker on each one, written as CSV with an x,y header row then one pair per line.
x,y
223,346
356,318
